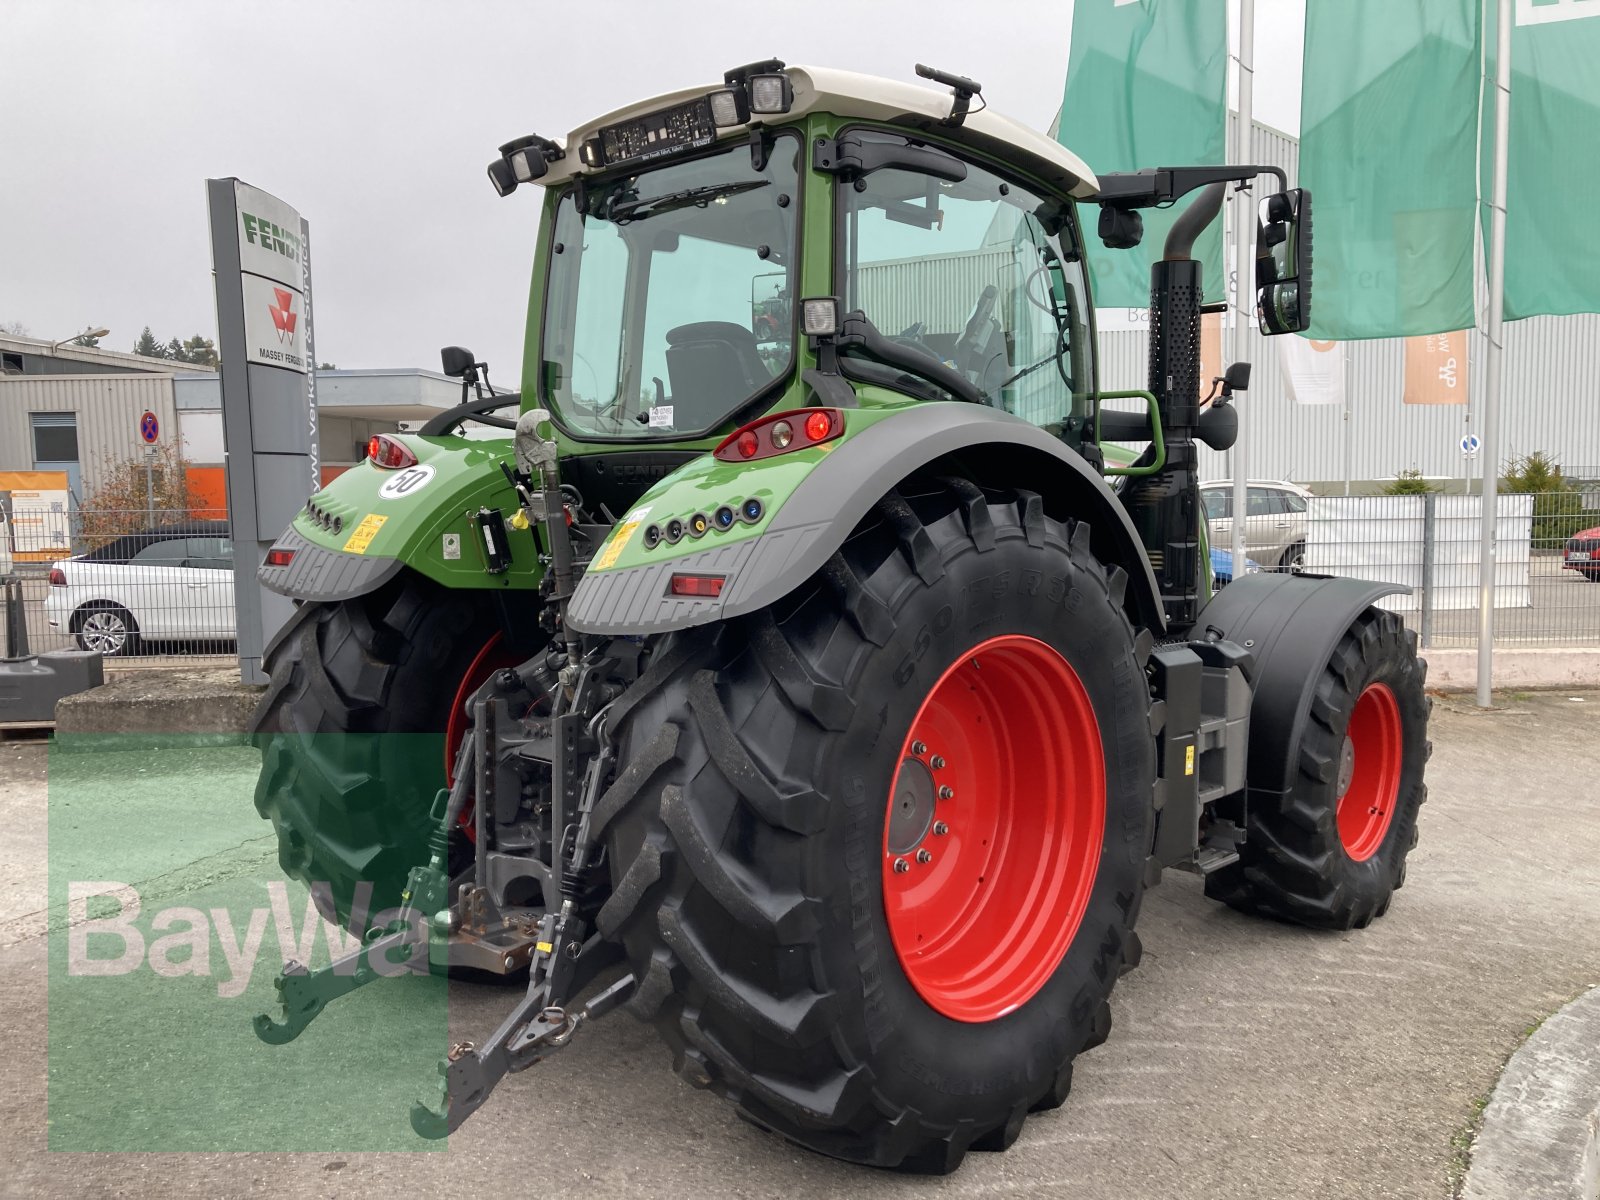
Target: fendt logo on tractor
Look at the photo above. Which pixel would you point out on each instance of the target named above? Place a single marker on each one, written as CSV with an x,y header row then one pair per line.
x,y
837,724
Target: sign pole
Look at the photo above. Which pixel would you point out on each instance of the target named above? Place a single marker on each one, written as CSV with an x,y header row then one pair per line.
x,y
1495,359
1244,284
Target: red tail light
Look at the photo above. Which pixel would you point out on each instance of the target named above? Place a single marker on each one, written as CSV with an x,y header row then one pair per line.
x,y
279,558
697,585
58,577
780,433
389,452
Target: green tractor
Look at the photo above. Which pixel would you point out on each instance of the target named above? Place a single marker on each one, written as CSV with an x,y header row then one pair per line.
x,y
829,694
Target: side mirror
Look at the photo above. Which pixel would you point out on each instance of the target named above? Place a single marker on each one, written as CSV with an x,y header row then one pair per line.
x,y
456,361
1283,262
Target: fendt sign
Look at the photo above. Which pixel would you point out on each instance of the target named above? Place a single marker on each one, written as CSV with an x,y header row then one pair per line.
x,y
261,253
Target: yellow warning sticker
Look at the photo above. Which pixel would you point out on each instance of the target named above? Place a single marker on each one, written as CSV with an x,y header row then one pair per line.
x,y
619,538
543,947
365,532
1188,760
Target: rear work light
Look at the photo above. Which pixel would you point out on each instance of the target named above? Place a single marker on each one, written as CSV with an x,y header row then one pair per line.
x,y
279,558
697,585
58,577
389,452
781,433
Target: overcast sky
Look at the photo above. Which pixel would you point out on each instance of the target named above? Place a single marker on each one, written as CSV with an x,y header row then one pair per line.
x,y
375,120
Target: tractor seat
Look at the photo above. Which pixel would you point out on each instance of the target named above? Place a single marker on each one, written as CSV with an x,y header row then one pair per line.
x,y
712,366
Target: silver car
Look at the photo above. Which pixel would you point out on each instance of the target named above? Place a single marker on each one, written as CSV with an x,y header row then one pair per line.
x,y
1275,520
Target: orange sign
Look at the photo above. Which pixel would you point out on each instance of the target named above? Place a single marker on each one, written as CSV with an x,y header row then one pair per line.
x,y
1436,369
1210,350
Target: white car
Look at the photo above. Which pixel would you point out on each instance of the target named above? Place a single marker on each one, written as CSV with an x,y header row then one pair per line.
x,y
1275,525
168,584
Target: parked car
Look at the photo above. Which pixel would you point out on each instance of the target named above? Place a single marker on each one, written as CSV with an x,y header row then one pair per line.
x,y
1583,554
1275,521
170,584
1222,567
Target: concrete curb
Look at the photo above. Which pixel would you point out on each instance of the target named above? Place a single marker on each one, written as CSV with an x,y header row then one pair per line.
x,y
209,704
1541,1130
1519,667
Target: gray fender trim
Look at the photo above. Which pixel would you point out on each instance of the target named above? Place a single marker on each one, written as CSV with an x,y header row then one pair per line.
x,y
839,493
1290,624
317,573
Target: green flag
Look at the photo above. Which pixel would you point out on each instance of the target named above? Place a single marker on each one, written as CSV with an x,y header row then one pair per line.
x,y
1552,244
1389,148
1147,84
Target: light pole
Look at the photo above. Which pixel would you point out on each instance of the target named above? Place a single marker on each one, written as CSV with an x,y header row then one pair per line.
x,y
92,333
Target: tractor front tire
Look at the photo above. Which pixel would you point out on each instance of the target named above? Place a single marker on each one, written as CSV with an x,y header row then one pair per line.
x,y
1335,852
352,732
877,852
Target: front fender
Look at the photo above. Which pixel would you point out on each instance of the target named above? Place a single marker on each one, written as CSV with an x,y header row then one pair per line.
x,y
351,537
1291,625
813,498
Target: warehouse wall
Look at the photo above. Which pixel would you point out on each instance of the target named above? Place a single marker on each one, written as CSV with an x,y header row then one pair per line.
x,y
107,408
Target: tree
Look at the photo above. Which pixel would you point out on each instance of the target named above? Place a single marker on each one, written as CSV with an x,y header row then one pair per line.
x,y
119,504
1408,483
201,351
1558,510
85,339
148,346
14,328
327,366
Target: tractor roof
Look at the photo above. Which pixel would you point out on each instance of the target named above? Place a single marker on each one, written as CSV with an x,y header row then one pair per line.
x,y
870,97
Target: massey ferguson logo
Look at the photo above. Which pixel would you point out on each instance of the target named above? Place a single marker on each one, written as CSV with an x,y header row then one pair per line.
x,y
283,314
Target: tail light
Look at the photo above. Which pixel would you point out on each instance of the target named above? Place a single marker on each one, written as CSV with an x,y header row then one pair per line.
x,y
697,585
279,558
781,433
389,452
58,577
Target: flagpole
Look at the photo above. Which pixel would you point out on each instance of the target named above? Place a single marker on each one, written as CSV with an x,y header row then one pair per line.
x,y
1244,287
1494,360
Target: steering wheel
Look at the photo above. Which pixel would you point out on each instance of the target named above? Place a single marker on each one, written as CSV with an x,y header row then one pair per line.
x,y
968,343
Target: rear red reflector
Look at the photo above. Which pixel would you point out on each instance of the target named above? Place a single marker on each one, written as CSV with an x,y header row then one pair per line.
x,y
697,585
279,558
58,577
389,453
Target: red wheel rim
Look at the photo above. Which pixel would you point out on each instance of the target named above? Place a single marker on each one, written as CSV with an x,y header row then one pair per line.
x,y
1369,772
995,824
493,656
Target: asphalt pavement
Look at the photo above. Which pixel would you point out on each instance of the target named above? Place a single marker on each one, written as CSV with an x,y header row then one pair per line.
x,y
1248,1059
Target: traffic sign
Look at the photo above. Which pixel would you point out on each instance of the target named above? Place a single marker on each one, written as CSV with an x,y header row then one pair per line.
x,y
149,428
1471,443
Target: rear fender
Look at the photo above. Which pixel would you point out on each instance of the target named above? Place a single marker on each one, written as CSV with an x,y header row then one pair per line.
x,y
812,499
361,530
1290,624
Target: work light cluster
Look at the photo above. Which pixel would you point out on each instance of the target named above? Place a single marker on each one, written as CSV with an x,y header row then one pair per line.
x,y
323,519
722,519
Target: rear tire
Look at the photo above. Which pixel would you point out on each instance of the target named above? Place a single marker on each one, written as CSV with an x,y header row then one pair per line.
x,y
751,847
352,734
1335,853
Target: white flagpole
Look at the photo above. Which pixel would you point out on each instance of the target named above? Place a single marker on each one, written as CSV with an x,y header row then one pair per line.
x,y
1244,286
1495,359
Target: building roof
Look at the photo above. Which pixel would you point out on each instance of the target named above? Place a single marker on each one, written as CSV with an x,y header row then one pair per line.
x,y
96,358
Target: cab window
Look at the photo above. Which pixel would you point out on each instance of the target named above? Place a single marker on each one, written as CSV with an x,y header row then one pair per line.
x,y
983,274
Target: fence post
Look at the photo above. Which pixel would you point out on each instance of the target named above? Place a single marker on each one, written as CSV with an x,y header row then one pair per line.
x,y
1430,507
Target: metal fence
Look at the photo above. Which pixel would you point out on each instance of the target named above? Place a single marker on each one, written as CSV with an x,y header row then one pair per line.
x,y
1547,572
157,587
142,586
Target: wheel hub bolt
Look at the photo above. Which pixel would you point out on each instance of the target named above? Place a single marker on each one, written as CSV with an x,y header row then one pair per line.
x,y
901,866
946,792
940,829
919,748
923,856
936,762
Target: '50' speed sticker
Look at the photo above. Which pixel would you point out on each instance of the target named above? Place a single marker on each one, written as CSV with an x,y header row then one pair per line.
x,y
407,482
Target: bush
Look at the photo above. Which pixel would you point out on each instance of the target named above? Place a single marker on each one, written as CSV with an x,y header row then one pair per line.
x,y
1408,483
1558,510
120,505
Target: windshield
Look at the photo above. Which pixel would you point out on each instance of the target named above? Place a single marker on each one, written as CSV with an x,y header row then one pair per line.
x,y
670,300
982,274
